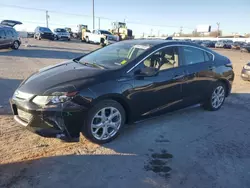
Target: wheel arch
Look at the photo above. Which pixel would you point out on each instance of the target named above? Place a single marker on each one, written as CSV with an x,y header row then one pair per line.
x,y
227,85
119,99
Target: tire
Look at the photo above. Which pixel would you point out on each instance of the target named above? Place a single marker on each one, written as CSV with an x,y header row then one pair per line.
x,y
87,39
15,45
218,90
104,122
68,39
102,43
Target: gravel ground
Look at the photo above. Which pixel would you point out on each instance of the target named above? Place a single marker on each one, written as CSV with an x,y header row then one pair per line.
x,y
189,148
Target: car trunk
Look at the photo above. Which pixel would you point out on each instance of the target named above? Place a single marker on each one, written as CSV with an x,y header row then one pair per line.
x,y
11,23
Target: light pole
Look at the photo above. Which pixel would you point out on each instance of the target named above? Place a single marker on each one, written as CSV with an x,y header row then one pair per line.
x,y
47,18
93,14
218,29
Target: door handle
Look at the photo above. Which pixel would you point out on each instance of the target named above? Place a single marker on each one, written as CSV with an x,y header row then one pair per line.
x,y
177,77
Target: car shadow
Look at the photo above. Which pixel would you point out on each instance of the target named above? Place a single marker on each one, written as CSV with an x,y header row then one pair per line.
x,y
41,53
7,87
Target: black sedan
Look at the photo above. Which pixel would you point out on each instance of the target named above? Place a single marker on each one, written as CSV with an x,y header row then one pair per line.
x,y
99,92
245,73
245,47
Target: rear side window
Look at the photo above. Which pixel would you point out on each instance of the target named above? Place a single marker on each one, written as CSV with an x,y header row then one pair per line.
x,y
194,56
2,33
9,33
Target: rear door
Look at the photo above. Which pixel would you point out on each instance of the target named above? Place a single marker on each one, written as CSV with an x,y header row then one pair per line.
x,y
199,67
3,41
9,36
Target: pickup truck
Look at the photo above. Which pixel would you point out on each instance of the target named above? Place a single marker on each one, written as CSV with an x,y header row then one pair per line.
x,y
101,37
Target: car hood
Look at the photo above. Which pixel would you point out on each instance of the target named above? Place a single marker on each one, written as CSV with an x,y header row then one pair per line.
x,y
63,77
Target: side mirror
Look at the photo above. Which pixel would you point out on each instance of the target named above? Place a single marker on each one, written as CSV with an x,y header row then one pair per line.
x,y
146,72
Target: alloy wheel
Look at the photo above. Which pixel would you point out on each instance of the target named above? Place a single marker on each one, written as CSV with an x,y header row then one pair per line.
x,y
16,45
106,123
218,97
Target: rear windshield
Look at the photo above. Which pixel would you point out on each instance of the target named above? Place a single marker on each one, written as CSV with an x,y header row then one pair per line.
x,y
45,29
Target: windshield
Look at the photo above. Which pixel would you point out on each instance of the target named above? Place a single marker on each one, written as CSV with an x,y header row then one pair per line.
x,y
45,29
105,32
60,30
115,56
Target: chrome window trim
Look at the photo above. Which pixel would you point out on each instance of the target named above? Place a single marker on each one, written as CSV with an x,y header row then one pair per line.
x,y
186,45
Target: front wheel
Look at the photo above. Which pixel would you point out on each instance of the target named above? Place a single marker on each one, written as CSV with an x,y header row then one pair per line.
x,y
104,122
216,98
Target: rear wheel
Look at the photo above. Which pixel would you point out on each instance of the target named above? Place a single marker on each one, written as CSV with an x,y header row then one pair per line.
x,y
87,39
15,45
216,98
102,43
104,122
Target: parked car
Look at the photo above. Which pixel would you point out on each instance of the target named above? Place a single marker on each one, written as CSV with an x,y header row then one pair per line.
x,y
219,44
228,44
101,37
8,36
237,45
245,73
245,47
197,41
208,44
60,33
99,92
43,33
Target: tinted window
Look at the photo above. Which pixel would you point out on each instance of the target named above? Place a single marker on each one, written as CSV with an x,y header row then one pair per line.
x,y
9,33
194,55
60,30
2,33
45,29
105,32
164,59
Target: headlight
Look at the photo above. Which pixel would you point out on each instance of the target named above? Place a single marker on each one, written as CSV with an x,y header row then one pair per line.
x,y
247,67
53,99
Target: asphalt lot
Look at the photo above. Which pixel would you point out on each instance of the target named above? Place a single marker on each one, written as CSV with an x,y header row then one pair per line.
x,y
191,148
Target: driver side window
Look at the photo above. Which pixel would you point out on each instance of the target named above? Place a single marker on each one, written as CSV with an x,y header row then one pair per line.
x,y
166,58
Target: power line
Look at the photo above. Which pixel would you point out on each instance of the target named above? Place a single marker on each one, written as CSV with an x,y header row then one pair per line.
x,y
82,15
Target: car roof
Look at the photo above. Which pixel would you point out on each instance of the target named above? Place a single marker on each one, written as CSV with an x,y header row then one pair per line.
x,y
155,42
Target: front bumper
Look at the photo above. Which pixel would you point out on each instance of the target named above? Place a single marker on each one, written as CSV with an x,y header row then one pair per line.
x,y
60,119
63,37
245,74
46,36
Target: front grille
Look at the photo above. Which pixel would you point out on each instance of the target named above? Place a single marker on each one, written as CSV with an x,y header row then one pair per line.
x,y
25,116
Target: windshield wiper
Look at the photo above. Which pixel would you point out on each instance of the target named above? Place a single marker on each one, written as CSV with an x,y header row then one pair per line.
x,y
90,64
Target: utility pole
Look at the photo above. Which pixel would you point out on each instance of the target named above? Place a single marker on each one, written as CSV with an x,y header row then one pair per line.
x,y
218,29
99,22
93,14
181,31
151,34
47,18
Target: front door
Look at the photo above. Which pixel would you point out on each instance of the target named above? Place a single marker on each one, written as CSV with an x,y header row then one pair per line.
x,y
160,92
